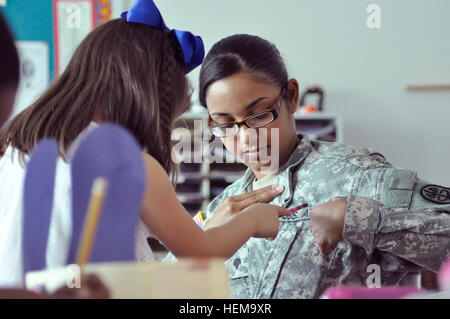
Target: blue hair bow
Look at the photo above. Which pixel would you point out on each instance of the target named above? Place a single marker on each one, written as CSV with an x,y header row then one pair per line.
x,y
146,12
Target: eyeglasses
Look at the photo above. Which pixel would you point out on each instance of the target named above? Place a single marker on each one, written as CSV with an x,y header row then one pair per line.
x,y
255,121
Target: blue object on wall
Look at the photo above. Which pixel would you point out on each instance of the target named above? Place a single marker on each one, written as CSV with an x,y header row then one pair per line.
x,y
31,20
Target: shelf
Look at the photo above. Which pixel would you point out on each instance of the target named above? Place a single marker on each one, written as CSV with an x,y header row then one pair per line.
x,y
183,176
427,87
190,197
314,115
190,167
229,178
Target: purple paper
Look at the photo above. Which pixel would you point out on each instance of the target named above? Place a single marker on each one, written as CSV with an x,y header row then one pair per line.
x,y
37,205
111,152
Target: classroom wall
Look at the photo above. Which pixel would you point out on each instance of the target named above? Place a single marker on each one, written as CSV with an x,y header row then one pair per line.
x,y
31,20
364,71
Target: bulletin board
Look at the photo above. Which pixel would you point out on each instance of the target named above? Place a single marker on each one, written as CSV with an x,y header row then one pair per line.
x,y
73,20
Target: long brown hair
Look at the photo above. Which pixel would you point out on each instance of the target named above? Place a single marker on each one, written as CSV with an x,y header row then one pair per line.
x,y
127,73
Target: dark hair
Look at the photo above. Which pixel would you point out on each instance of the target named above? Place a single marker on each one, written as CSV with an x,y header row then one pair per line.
x,y
9,58
129,74
242,53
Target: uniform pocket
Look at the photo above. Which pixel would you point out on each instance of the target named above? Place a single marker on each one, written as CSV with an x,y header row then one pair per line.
x,y
239,286
398,187
239,275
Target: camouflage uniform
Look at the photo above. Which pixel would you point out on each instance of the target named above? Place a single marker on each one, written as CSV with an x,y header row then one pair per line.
x,y
394,220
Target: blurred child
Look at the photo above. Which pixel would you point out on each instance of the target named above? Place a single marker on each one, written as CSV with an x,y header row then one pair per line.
x,y
9,80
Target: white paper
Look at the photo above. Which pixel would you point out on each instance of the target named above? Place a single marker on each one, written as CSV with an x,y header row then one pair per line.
x,y
74,23
34,73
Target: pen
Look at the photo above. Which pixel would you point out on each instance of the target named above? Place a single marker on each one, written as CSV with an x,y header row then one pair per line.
x,y
298,207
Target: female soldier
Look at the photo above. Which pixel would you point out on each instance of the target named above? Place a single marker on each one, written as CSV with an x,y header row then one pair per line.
x,y
364,210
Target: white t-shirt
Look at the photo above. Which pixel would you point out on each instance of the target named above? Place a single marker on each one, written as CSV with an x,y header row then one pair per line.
x,y
265,181
12,177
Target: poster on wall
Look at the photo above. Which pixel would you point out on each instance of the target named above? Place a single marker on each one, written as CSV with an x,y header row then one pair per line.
x,y
102,11
34,73
73,20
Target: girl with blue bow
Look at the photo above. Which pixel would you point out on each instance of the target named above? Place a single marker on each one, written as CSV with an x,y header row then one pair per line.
x,y
132,72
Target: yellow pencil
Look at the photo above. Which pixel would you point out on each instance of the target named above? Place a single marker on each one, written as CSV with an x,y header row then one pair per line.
x,y
91,220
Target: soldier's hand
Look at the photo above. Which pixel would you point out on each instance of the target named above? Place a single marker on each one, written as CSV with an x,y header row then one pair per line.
x,y
266,219
327,224
236,204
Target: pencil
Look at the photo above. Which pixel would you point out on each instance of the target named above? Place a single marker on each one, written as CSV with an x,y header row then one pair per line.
x,y
298,207
91,219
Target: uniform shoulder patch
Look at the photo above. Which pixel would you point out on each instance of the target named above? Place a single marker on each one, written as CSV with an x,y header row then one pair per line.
x,y
436,194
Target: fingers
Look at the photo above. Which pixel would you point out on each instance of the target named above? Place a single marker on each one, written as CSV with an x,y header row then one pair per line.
x,y
272,189
325,246
328,248
240,202
336,198
282,211
271,238
322,245
263,196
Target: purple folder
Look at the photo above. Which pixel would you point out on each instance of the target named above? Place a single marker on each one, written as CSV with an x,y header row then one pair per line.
x,y
356,292
109,151
37,204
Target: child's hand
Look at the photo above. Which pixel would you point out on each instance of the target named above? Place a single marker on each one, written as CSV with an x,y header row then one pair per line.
x,y
327,224
236,204
91,288
266,219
